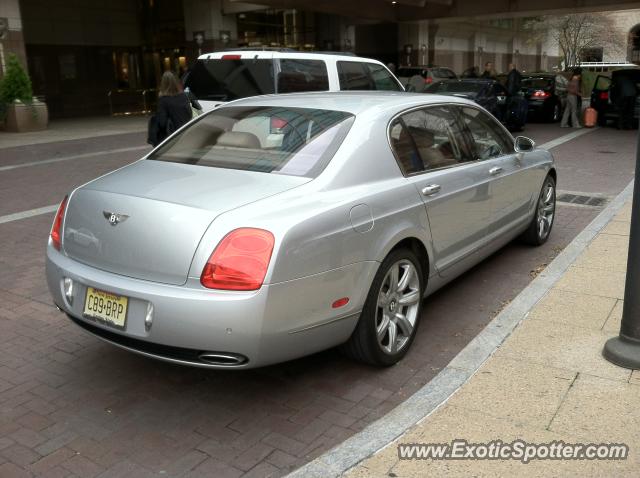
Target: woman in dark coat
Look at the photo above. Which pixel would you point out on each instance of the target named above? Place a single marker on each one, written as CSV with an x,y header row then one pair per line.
x,y
174,107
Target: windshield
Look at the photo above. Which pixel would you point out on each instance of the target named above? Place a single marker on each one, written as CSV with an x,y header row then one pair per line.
x,y
457,87
538,83
226,80
268,139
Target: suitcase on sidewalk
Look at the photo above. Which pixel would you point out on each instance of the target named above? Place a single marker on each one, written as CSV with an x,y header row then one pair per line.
x,y
517,113
590,118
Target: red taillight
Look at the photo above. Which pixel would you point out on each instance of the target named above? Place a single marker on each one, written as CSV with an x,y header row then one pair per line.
x,y
231,57
56,229
240,261
541,94
604,95
428,80
277,124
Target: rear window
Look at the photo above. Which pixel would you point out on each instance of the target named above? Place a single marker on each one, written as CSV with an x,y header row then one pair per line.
x,y
456,87
353,76
290,141
226,80
536,83
443,73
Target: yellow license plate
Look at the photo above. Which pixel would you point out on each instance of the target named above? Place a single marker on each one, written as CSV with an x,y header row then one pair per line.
x,y
106,307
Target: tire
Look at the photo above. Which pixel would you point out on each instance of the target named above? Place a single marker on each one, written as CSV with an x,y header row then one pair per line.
x,y
539,230
554,114
366,344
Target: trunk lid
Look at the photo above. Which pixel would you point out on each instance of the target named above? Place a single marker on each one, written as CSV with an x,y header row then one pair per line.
x,y
146,220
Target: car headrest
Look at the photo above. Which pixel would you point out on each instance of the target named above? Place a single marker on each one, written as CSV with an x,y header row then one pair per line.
x,y
237,139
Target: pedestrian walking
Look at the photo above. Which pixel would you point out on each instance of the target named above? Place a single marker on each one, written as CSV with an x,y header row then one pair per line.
x,y
514,80
471,72
626,99
571,108
174,109
488,72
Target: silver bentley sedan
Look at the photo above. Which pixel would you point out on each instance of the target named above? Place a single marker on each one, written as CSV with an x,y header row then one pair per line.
x,y
278,226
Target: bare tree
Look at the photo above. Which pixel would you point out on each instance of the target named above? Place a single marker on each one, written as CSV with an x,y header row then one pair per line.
x,y
575,34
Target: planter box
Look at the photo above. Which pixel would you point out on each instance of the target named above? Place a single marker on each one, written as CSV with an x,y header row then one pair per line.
x,y
22,118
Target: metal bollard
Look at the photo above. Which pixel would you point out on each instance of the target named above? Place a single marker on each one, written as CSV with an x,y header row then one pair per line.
x,y
624,350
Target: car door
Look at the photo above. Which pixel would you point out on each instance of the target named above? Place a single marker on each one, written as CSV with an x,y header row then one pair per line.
x,y
433,154
513,185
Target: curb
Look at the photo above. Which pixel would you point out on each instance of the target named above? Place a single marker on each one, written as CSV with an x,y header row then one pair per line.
x,y
436,392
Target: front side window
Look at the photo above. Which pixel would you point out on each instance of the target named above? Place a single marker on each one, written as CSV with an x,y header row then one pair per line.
x,y
302,75
230,79
382,79
276,140
425,139
353,76
490,139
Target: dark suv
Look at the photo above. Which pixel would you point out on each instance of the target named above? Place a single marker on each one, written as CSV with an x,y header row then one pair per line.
x,y
605,96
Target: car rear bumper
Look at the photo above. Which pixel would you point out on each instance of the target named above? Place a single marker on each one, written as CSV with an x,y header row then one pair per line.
x,y
278,322
536,106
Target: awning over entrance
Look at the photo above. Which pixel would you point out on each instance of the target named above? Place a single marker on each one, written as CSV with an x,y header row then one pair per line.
x,y
407,10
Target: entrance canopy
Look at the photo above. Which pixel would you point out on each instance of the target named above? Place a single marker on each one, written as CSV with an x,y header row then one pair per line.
x,y
407,10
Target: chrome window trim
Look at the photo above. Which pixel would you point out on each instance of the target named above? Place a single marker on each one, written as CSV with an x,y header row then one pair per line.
x,y
443,103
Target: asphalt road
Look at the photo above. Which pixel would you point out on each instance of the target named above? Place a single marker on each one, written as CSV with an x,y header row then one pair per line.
x,y
71,405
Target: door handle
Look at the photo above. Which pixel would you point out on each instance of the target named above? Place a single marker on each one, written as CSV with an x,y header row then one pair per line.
x,y
431,189
494,171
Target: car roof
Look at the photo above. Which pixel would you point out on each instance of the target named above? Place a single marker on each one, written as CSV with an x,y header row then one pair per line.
x,y
354,102
469,80
279,54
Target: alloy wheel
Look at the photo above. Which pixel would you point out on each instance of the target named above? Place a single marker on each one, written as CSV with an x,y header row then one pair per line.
x,y
397,307
546,209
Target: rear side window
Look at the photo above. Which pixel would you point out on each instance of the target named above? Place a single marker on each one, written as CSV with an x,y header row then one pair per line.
x,y
382,79
353,76
408,72
490,139
302,75
425,139
226,80
276,140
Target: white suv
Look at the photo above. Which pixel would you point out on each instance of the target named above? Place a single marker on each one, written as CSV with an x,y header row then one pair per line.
x,y
225,76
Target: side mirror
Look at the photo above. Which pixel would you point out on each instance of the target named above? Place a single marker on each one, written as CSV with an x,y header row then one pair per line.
x,y
522,144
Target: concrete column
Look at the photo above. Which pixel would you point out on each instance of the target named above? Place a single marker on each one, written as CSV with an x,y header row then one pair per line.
x,y
14,40
216,19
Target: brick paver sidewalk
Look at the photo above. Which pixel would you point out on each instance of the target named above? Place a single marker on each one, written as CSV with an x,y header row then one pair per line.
x,y
548,381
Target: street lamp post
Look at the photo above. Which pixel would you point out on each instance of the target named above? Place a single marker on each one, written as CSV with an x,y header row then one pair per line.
x,y
624,350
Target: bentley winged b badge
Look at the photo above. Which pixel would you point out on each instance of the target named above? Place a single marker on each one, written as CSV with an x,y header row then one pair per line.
x,y
114,218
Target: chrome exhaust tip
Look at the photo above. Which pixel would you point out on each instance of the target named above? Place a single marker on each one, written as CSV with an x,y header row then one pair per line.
x,y
223,359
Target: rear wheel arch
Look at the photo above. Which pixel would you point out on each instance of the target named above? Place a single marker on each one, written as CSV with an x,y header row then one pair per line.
x,y
418,248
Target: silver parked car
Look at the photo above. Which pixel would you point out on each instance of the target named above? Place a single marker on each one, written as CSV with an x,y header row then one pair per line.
x,y
235,244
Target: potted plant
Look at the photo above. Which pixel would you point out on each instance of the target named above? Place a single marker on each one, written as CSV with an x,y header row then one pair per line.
x,y
21,112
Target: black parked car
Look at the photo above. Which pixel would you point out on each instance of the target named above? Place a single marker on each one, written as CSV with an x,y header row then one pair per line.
x,y
605,97
418,78
544,93
490,94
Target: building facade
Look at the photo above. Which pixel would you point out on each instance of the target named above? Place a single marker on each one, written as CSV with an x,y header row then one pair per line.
x,y
91,57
